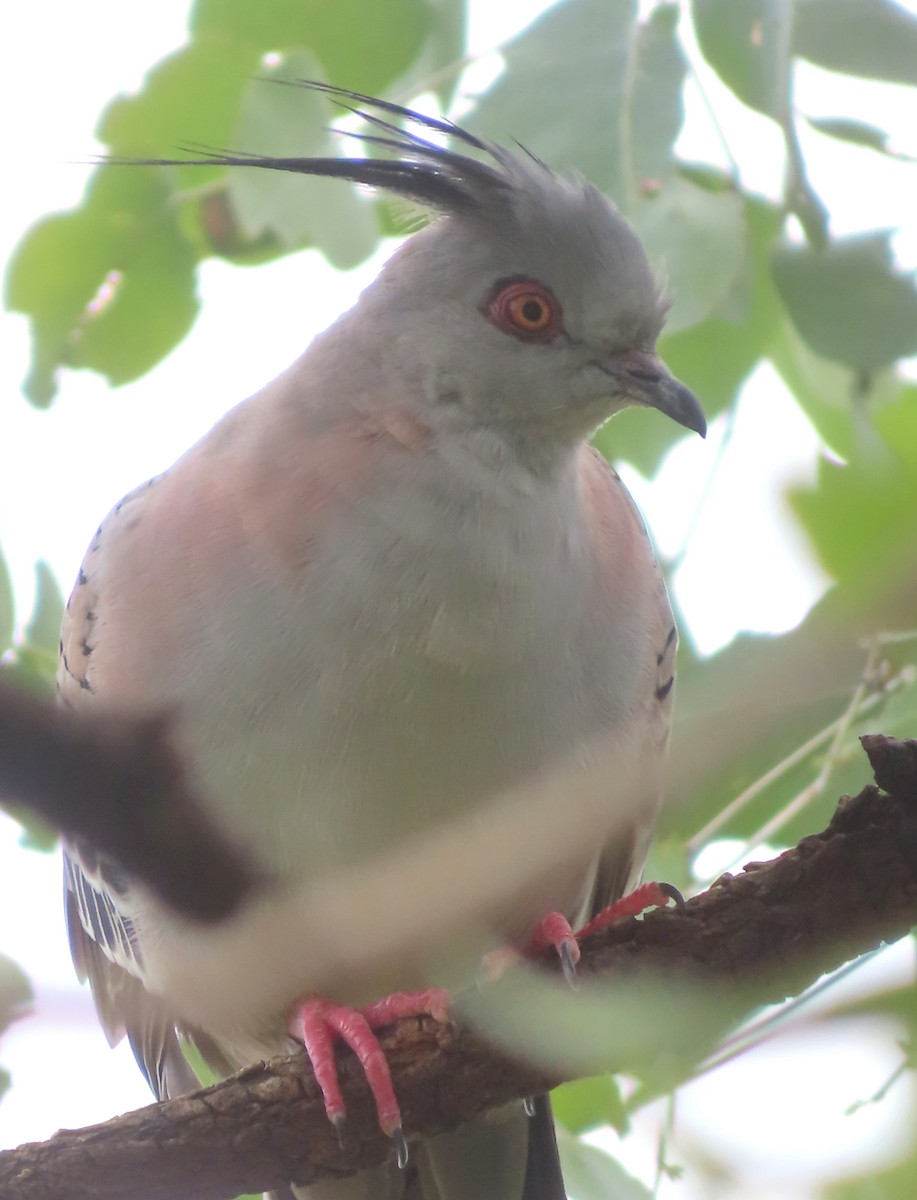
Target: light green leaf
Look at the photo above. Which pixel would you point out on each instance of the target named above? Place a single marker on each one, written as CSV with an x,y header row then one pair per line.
x,y
697,237
190,98
857,133
109,286
7,607
588,1103
712,358
829,394
43,630
15,994
363,46
860,518
848,300
873,38
54,273
592,1174
747,42
623,78
297,209
152,301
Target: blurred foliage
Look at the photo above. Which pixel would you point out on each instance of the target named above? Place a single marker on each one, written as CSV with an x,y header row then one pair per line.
x,y
767,729
15,995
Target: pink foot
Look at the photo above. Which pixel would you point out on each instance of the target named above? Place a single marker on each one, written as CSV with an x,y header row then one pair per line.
x,y
318,1022
555,930
648,895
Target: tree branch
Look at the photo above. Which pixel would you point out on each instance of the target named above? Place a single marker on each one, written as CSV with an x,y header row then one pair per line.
x,y
759,936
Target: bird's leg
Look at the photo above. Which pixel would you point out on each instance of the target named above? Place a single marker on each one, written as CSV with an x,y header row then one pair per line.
x,y
319,1022
555,930
647,895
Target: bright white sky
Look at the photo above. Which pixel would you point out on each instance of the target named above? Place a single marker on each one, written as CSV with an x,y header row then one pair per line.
x,y
745,567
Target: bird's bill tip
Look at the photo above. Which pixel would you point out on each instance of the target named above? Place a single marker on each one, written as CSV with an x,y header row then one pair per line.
x,y
648,381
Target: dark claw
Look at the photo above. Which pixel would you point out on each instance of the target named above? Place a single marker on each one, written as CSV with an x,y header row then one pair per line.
x,y
339,1124
401,1147
670,890
568,966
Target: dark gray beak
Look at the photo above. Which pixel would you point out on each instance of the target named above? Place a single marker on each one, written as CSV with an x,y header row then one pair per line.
x,y
645,379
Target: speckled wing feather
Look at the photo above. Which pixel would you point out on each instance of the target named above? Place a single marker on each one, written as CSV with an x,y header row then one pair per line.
x,y
103,940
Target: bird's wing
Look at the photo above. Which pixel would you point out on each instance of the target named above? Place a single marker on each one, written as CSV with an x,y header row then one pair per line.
x,y
97,894
103,946
635,584
122,644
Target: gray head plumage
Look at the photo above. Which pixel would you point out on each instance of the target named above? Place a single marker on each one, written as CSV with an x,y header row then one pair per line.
x,y
507,217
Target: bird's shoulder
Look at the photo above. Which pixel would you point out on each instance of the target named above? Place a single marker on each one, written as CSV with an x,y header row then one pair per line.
x,y
249,506
626,567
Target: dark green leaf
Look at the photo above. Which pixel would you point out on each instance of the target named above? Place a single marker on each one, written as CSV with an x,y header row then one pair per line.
x,y
7,607
848,300
623,78
747,44
873,38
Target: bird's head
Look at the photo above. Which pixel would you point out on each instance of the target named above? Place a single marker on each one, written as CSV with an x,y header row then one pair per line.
x,y
528,304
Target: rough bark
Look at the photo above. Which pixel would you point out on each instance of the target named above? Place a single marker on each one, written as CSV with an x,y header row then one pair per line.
x,y
760,936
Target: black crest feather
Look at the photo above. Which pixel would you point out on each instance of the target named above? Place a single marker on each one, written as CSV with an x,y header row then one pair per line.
x,y
422,171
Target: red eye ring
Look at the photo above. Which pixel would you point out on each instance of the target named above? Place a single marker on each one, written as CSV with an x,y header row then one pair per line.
x,y
525,308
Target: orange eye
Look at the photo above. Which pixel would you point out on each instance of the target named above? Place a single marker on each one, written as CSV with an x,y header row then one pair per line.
x,y
525,308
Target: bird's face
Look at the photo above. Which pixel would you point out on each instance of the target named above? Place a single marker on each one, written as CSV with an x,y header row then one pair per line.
x,y
540,318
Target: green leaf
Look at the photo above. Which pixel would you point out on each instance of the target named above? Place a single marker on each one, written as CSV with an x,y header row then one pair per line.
x,y
848,300
7,606
441,61
857,133
592,1174
588,1103
364,45
873,38
830,395
152,302
191,97
15,994
624,78
43,630
698,237
860,519
109,286
653,109
712,358
297,209
747,42
53,275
